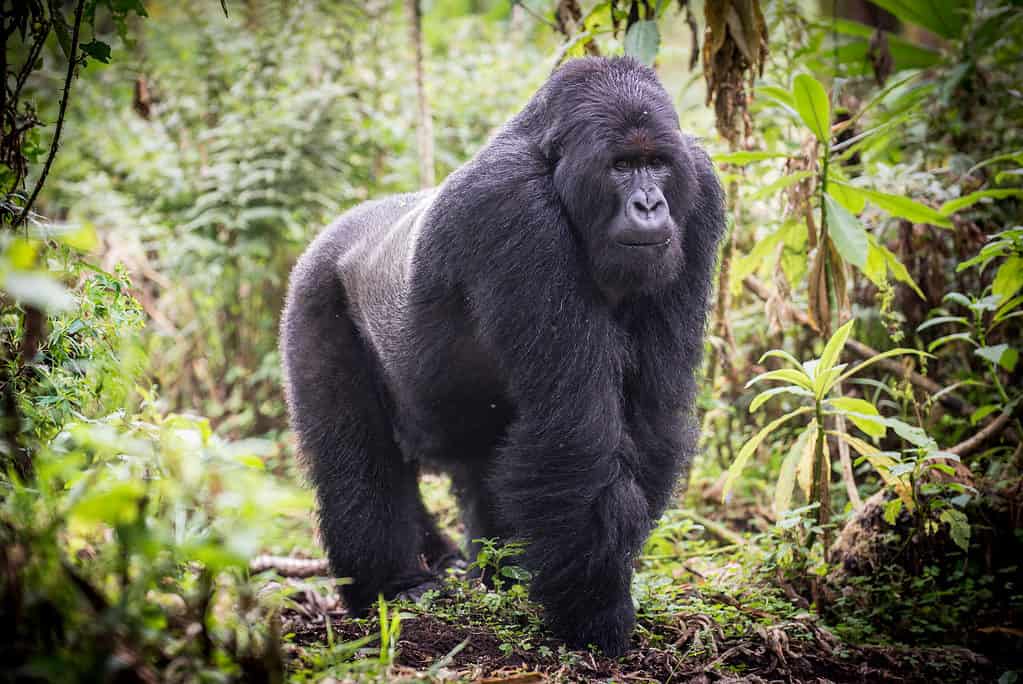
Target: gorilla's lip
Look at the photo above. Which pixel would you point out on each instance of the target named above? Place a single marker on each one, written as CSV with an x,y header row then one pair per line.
x,y
662,243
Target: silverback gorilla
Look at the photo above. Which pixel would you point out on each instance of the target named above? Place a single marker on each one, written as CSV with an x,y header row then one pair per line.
x,y
532,327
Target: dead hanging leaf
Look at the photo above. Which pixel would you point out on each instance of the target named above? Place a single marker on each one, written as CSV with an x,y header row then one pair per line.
x,y
839,279
817,294
804,469
734,51
694,33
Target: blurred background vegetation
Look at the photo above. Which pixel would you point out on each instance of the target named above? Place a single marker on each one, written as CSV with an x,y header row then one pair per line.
x,y
162,165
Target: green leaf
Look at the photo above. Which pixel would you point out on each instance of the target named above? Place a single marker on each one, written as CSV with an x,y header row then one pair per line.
x,y
900,206
863,414
892,510
811,102
1009,278
98,50
853,201
982,413
749,447
954,337
945,18
787,475
776,93
789,375
516,573
60,27
883,355
1000,354
780,354
958,527
881,261
741,158
834,347
941,320
642,41
772,189
109,502
847,233
759,400
912,434
952,206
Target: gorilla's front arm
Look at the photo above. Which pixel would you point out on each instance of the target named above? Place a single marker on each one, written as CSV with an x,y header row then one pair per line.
x,y
598,439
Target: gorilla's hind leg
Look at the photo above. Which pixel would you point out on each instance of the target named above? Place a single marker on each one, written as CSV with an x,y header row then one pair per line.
x,y
371,515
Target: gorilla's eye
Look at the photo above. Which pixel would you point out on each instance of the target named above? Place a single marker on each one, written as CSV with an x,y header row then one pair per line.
x,y
655,162
622,165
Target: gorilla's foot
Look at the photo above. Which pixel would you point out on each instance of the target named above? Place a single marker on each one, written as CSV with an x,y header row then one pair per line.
x,y
608,629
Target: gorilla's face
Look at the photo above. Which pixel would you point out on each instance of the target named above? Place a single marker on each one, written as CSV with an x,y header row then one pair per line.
x,y
626,181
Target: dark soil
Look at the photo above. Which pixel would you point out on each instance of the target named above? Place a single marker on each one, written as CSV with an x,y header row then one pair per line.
x,y
771,655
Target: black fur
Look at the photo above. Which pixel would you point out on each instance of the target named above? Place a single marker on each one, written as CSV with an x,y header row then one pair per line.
x,y
494,329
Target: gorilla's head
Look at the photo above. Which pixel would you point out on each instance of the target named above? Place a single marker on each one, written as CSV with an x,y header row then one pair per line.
x,y
623,170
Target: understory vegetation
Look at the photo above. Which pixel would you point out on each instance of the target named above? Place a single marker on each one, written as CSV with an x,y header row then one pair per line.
x,y
856,511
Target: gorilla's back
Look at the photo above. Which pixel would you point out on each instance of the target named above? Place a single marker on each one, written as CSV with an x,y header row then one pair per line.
x,y
375,266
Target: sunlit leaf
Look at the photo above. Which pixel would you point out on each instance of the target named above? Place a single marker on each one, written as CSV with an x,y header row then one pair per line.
x,y
749,447
900,206
759,400
898,351
789,375
1009,278
982,413
862,413
787,475
1000,354
811,102
958,527
804,469
780,354
835,345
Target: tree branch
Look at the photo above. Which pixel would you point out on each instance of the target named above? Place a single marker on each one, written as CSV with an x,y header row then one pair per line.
x,y
72,63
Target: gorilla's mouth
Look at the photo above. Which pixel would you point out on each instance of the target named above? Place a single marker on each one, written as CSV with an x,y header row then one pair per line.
x,y
660,243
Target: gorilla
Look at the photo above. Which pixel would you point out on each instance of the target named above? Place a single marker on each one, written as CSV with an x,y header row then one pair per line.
x,y
531,327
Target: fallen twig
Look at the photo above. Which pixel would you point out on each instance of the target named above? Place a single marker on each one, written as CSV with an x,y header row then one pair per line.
x,y
992,429
286,566
715,528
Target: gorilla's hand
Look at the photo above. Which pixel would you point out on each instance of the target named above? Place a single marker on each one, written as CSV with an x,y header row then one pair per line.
x,y
607,627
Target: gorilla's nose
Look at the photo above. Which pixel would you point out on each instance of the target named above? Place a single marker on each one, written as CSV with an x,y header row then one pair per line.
x,y
648,223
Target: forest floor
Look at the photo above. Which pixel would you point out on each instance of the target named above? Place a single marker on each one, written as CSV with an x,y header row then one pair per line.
x,y
703,617
691,649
